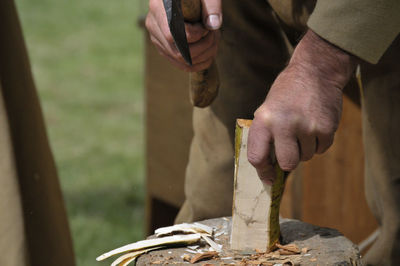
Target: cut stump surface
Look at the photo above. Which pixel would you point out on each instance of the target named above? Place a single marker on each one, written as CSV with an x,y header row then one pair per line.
x,y
320,246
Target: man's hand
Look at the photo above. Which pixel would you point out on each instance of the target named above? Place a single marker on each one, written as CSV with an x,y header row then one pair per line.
x,y
202,37
302,110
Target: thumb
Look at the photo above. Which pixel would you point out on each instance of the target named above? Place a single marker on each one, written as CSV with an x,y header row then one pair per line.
x,y
212,14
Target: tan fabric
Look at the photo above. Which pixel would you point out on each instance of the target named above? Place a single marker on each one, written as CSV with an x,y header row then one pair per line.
x,y
253,50
365,28
11,222
381,129
294,13
46,229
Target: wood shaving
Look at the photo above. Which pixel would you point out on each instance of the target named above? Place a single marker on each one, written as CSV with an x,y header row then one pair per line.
x,y
191,251
202,256
290,247
212,244
184,228
150,243
286,252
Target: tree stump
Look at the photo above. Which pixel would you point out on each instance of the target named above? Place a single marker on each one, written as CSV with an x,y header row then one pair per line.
x,y
320,246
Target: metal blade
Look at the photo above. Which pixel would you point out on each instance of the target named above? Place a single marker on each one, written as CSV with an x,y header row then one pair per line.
x,y
177,27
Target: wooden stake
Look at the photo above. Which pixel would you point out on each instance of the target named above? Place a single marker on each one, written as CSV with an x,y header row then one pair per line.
x,y
255,218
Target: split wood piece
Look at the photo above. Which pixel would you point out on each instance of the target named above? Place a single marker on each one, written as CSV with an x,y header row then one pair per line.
x,y
184,228
255,219
149,243
203,256
132,256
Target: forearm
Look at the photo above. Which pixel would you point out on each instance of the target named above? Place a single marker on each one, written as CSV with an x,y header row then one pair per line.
x,y
322,59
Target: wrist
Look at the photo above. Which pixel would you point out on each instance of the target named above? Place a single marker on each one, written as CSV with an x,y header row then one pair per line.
x,y
324,60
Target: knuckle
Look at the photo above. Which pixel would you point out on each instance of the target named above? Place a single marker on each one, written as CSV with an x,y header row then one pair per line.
x,y
176,55
265,117
153,5
255,159
147,22
154,41
168,36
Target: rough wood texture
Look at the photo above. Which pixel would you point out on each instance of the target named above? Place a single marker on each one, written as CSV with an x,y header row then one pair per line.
x,y
324,246
255,204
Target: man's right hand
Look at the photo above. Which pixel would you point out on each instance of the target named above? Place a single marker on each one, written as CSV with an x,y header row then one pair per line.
x,y
202,37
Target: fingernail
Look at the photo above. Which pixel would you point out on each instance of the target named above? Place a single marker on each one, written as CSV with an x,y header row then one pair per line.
x,y
213,22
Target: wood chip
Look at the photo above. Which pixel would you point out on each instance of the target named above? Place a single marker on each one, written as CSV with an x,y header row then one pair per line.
x,y
186,257
313,259
290,247
304,250
288,263
202,256
286,252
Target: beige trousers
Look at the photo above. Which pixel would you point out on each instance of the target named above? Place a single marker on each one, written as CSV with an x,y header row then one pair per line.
x,y
33,225
257,41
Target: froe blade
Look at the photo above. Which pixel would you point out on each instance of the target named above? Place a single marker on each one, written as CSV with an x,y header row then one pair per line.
x,y
177,27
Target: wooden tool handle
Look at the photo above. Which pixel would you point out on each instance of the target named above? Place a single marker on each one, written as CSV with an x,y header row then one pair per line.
x,y
203,84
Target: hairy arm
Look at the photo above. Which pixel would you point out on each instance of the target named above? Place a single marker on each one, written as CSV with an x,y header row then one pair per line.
x,y
302,110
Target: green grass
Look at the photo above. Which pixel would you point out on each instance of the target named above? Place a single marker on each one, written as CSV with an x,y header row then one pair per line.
x,y
87,61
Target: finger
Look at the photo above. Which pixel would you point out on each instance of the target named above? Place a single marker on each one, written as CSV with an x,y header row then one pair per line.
x,y
208,54
166,45
201,65
205,49
287,150
195,32
183,66
324,142
163,34
258,150
307,145
212,14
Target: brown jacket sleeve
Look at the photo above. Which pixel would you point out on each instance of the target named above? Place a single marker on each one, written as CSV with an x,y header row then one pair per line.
x,y
365,28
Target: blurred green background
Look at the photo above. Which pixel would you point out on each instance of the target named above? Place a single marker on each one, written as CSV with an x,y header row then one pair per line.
x,y
87,60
